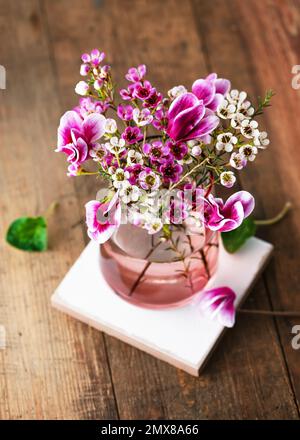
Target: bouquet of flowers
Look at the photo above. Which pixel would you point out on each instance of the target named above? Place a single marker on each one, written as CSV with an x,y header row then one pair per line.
x,y
150,144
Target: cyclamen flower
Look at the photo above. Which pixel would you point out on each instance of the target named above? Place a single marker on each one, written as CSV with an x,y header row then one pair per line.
x,y
77,153
218,303
136,74
142,117
102,219
188,118
238,161
224,217
171,171
132,135
125,112
228,179
72,127
149,180
211,90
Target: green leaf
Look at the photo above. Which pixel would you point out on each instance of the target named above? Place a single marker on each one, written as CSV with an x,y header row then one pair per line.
x,y
28,234
233,240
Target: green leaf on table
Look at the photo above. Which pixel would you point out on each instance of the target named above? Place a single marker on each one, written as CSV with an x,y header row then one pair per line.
x,y
233,240
28,234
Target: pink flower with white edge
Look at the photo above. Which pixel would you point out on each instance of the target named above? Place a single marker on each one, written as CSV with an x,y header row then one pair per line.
x,y
77,153
102,219
188,118
211,90
218,303
224,217
72,127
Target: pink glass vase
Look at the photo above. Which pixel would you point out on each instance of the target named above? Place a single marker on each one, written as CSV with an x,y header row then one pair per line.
x,y
150,273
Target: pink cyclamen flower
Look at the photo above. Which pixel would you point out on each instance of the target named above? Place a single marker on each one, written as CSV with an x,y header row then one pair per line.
x,y
211,90
136,74
102,219
77,153
218,303
72,127
224,217
188,118
132,135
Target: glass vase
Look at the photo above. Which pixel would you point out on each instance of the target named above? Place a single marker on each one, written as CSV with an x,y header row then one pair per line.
x,y
153,273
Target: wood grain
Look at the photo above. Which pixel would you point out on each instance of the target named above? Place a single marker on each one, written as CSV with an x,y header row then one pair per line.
x,y
55,367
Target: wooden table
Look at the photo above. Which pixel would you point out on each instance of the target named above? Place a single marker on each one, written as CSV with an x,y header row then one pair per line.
x,y
56,367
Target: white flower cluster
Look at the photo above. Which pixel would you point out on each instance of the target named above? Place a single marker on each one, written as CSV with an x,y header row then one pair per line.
x,y
239,111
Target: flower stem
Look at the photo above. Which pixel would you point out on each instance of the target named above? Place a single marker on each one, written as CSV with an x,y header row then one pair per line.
x,y
270,312
277,218
51,208
188,174
146,267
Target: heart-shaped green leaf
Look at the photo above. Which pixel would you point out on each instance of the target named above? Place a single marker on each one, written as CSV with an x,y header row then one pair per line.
x,y
28,234
233,240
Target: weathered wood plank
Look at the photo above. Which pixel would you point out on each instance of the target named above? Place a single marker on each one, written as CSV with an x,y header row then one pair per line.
x,y
259,42
234,384
53,367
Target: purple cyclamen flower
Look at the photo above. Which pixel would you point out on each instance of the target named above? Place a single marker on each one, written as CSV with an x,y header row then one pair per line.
x,y
72,127
171,171
218,303
136,74
127,94
125,112
211,90
102,219
157,152
143,90
188,118
224,217
178,150
132,135
77,153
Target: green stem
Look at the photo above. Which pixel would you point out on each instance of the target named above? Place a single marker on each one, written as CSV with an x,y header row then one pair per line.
x,y
188,174
277,218
51,208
